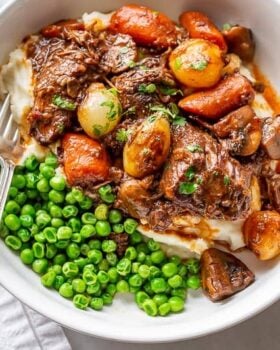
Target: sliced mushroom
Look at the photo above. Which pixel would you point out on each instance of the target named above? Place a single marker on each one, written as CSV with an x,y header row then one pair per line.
x,y
223,274
271,137
241,42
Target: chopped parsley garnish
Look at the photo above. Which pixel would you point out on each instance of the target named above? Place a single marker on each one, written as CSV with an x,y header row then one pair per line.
x,y
131,64
98,130
172,112
178,63
227,26
187,188
190,173
199,65
113,110
195,148
169,91
152,118
113,91
226,180
122,135
63,103
131,110
147,88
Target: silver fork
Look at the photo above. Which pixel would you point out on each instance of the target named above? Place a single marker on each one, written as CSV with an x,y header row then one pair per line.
x,y
10,150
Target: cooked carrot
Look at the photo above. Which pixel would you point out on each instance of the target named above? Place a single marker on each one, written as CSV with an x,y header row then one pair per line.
x,y
147,27
85,160
200,26
55,30
231,93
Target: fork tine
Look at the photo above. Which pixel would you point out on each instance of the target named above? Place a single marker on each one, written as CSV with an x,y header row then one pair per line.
x,y
4,109
7,170
8,127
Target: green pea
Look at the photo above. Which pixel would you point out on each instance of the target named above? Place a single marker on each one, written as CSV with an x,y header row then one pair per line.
x,y
73,251
62,244
56,268
48,279
96,303
27,256
31,163
149,306
95,244
115,216
107,299
70,269
95,256
57,222
164,309
154,272
70,211
47,171
69,198
34,229
104,265
13,191
112,259
109,246
176,260
4,232
103,228
51,160
43,185
55,211
130,225
89,277
111,289
76,237
176,304
64,233
135,238
158,285
40,266
122,286
144,271
179,292
85,249
31,181
175,281
160,299
148,261
106,194
81,262
78,285
18,181
113,274
28,209
42,220
12,222
118,228
58,282
101,212
56,197
157,257
169,269
94,289
75,224
153,245
24,234
31,194
124,267
13,242
193,282
66,290
135,280
51,251
102,277
142,248
78,195
58,183
50,234
26,221
87,231
193,266
140,297
182,270
81,301
38,250
148,289
12,207
59,259
131,253
86,203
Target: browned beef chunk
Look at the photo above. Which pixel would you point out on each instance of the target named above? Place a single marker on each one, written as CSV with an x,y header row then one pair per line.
x,y
122,240
117,52
271,137
223,274
64,62
202,178
131,84
270,180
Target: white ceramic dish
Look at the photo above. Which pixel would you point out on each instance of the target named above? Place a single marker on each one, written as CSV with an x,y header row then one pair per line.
x,y
123,321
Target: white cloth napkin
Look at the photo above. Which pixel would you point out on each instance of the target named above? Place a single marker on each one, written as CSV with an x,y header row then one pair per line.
x,y
23,329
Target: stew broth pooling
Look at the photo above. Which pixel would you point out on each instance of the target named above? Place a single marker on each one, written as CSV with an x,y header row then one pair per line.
x,y
165,113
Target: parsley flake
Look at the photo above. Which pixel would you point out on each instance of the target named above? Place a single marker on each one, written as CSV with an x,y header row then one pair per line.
x,y
169,91
63,103
122,135
187,188
113,109
147,88
226,180
199,65
194,148
178,63
172,112
190,173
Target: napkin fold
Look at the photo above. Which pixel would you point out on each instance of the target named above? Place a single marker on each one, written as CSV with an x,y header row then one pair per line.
x,y
24,329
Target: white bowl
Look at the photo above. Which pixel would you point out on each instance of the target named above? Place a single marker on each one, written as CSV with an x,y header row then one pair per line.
x,y
123,321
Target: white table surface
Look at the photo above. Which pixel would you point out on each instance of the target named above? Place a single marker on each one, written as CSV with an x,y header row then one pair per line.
x,y
259,333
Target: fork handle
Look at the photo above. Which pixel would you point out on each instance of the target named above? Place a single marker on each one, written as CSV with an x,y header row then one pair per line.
x,y
7,171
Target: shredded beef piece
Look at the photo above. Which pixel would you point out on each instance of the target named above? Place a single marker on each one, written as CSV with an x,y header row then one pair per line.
x,y
122,240
117,52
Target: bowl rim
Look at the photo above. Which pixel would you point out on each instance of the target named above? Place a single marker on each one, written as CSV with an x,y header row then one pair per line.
x,y
245,311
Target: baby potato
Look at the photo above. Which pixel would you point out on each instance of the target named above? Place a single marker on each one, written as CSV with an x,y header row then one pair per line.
x,y
262,234
148,147
197,63
100,111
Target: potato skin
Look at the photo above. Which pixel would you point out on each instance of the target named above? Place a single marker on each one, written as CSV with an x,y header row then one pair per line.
x,y
148,147
262,234
229,94
85,160
197,63
200,26
147,27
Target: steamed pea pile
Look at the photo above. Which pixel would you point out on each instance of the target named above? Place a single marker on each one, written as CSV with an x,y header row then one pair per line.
x,y
68,240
